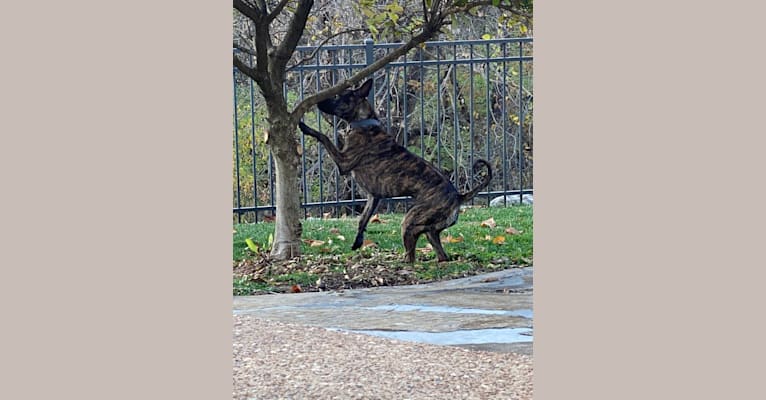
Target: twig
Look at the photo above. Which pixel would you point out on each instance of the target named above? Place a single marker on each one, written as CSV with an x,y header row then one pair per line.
x,y
324,42
275,12
244,49
472,5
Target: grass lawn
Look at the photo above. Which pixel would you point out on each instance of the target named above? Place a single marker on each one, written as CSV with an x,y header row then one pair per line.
x,y
474,244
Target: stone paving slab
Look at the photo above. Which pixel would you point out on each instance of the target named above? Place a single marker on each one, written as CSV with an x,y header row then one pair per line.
x,y
491,304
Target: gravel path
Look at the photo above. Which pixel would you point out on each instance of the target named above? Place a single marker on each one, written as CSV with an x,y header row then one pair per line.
x,y
274,360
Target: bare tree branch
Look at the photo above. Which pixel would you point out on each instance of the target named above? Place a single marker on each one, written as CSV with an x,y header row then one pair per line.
x,y
244,49
250,72
285,50
248,10
313,53
275,12
428,31
261,37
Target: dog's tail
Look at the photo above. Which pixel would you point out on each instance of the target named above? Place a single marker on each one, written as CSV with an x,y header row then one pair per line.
x,y
484,183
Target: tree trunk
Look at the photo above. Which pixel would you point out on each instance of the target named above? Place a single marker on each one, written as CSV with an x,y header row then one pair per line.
x,y
288,229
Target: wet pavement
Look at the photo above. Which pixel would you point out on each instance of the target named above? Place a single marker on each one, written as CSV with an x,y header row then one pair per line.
x,y
489,312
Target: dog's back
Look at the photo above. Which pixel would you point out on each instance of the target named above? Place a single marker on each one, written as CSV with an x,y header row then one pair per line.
x,y
390,170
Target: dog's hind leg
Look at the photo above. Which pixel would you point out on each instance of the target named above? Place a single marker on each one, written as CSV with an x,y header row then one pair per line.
x,y
435,240
410,235
410,232
369,209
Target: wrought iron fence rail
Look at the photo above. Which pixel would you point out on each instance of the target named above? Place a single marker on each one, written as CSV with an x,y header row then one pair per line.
x,y
361,202
426,63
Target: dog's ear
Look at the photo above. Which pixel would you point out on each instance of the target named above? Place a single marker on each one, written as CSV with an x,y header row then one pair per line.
x,y
364,90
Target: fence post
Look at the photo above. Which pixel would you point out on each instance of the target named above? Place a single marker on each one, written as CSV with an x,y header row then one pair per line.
x,y
369,59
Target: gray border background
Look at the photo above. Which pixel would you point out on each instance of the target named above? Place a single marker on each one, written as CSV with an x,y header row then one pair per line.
x,y
116,152
648,218
648,200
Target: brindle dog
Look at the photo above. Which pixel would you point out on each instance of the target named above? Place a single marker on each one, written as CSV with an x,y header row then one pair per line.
x,y
385,169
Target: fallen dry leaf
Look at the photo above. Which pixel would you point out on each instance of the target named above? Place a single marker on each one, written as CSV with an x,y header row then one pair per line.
x,y
369,243
426,249
453,239
313,243
375,219
490,223
327,215
499,239
269,218
341,238
296,289
487,237
334,231
512,231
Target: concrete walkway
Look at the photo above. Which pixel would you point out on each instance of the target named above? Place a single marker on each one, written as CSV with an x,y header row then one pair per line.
x,y
489,312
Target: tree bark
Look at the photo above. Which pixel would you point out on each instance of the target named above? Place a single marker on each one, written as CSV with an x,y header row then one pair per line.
x,y
287,238
284,147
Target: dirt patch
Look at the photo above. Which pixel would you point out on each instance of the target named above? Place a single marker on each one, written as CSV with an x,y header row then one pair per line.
x,y
312,273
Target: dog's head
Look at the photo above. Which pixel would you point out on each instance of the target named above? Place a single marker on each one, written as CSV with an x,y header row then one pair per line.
x,y
351,104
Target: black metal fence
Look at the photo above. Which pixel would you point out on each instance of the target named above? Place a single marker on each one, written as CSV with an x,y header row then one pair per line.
x,y
449,102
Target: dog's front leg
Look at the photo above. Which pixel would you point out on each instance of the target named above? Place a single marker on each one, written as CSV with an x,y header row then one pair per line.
x,y
369,209
345,165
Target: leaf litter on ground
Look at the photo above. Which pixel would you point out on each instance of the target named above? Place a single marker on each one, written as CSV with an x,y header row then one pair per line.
x,y
370,268
328,264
